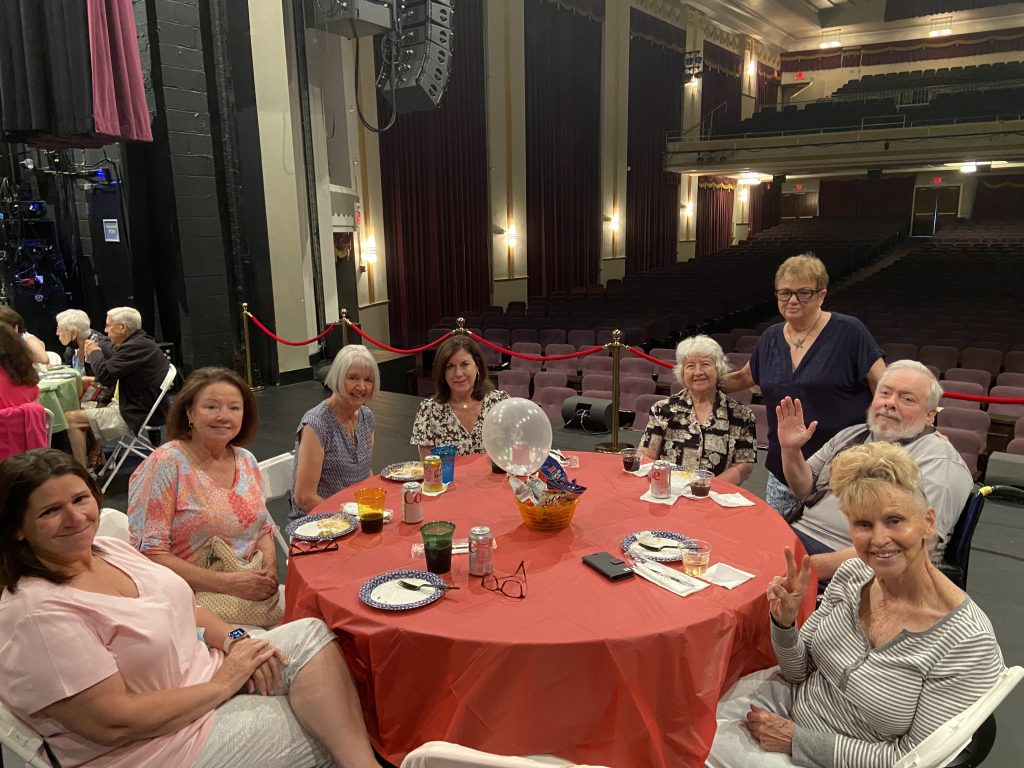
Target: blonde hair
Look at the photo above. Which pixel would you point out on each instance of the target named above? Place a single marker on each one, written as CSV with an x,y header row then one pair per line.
x,y
804,265
352,356
866,475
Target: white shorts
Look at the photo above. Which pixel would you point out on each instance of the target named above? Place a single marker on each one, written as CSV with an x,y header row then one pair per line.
x,y
106,422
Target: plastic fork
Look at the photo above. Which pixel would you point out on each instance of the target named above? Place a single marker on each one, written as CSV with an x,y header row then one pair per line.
x,y
416,587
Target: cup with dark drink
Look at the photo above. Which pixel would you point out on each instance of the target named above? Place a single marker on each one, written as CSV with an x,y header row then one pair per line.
x,y
371,509
701,483
437,545
630,459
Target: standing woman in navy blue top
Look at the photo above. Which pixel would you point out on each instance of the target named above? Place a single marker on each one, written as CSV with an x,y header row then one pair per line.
x,y
826,359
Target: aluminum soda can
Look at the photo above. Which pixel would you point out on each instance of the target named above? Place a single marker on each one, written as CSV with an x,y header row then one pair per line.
x,y
661,480
432,474
481,552
412,503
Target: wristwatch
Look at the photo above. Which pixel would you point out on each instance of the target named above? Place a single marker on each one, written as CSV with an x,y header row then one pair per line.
x,y
235,634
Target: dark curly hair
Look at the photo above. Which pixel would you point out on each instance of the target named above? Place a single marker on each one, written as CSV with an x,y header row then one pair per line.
x,y
20,476
14,358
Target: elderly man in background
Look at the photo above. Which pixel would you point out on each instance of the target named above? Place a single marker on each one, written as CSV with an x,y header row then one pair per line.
x,y
137,366
902,411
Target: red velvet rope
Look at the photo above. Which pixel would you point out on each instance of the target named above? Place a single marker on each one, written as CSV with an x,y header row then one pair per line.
x,y
985,398
279,340
645,356
382,345
541,358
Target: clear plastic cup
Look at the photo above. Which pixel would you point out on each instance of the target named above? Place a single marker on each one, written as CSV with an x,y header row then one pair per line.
x,y
696,556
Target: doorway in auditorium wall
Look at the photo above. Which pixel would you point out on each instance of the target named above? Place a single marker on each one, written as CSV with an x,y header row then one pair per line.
x,y
934,208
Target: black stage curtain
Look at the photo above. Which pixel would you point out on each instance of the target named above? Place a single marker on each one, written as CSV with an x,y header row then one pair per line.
x,y
839,198
563,146
765,207
434,182
652,194
999,198
714,213
720,88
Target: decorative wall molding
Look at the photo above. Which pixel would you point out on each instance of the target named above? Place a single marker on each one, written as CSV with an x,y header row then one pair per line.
x,y
669,12
729,40
765,54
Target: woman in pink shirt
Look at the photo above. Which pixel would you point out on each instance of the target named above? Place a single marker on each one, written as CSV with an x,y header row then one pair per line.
x,y
107,656
18,378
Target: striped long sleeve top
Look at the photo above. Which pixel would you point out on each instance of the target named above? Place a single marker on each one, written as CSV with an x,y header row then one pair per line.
x,y
860,707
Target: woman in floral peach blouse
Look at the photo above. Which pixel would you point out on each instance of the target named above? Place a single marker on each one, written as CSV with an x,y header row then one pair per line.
x,y
201,484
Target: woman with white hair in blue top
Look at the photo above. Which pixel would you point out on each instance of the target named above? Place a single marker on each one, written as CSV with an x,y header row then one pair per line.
x,y
699,427
334,440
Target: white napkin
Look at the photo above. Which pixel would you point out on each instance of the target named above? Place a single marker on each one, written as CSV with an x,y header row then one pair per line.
x,y
666,578
350,508
670,500
731,499
444,487
644,471
725,575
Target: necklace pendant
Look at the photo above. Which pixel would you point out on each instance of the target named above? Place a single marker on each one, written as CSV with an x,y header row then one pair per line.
x,y
799,343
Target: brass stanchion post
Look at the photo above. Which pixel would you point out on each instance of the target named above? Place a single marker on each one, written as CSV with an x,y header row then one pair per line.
x,y
614,446
460,326
344,327
245,344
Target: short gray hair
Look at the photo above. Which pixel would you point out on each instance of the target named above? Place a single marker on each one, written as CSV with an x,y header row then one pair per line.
x,y
352,355
73,320
701,346
934,388
127,315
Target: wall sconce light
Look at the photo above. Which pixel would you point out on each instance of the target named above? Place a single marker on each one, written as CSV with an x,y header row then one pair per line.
x,y
369,253
831,39
613,222
687,209
511,237
752,67
941,26
692,82
744,194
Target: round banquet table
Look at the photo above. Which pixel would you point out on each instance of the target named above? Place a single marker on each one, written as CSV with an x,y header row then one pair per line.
x,y
622,674
60,392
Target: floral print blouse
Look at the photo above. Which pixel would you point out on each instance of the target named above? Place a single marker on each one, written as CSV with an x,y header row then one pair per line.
x,y
437,424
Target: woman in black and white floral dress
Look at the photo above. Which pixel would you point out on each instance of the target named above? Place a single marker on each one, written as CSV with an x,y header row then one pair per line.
x,y
462,397
701,428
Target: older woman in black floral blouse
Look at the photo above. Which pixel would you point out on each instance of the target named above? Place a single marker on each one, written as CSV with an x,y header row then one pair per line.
x,y
701,428
462,397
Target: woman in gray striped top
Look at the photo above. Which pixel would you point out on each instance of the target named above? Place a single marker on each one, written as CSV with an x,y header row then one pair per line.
x,y
894,650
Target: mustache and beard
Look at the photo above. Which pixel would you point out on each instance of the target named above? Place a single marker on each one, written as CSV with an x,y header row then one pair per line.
x,y
887,424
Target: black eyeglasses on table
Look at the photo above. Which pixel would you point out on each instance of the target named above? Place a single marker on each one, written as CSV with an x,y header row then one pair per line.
x,y
510,586
301,547
803,295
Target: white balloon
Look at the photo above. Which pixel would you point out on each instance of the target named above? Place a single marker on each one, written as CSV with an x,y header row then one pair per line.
x,y
517,435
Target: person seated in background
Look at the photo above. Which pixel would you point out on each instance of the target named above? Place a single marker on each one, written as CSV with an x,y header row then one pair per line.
x,y
138,368
36,349
894,650
334,441
202,483
107,656
463,394
901,411
699,427
73,330
18,378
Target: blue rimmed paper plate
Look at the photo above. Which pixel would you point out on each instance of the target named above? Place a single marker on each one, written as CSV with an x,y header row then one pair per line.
x,y
386,593
404,472
326,525
669,554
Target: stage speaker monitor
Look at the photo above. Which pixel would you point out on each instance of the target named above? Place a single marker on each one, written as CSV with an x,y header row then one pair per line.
x,y
874,173
423,59
591,414
778,179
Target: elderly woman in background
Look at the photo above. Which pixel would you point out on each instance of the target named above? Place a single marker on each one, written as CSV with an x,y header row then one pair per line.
x,y
203,483
18,377
36,348
107,656
334,441
73,330
463,394
828,360
894,650
701,428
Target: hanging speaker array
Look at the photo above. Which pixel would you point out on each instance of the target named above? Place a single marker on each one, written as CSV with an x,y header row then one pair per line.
x,y
423,56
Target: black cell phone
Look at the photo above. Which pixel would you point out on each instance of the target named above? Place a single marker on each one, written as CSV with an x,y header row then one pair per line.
x,y
611,567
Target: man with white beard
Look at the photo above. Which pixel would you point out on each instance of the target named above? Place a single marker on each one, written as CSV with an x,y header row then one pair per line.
x,y
902,411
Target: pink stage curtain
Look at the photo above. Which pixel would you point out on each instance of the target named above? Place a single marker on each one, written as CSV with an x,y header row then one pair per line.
x,y
909,9
434,184
765,207
767,91
720,88
119,98
843,198
714,213
563,147
652,194
999,198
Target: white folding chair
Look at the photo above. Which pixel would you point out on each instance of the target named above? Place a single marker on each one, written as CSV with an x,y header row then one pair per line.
x,y
944,744
442,754
277,481
113,523
137,442
20,741
49,427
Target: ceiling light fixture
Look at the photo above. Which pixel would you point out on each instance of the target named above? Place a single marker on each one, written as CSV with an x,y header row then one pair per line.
x,y
941,26
831,38
968,167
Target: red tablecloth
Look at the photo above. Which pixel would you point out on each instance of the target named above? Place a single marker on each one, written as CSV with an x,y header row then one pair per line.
x,y
622,674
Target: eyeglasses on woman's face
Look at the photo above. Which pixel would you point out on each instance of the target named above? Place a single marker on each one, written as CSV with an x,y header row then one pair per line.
x,y
803,295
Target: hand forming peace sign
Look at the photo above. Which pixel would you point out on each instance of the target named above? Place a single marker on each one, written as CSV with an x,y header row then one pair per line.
x,y
785,593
